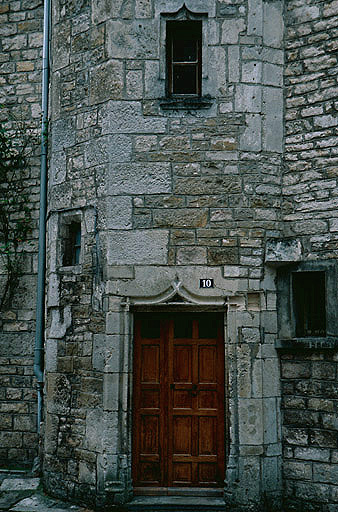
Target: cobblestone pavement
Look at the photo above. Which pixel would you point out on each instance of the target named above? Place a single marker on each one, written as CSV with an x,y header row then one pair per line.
x,y
22,493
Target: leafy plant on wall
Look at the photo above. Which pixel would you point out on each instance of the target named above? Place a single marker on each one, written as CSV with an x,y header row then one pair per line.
x,y
15,213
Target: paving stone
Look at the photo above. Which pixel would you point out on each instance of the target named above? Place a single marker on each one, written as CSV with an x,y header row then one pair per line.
x,y
19,484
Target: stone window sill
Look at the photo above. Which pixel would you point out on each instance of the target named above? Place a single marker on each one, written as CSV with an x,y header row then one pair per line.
x,y
307,344
187,103
70,269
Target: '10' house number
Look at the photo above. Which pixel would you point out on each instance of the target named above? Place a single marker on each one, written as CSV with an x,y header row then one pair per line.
x,y
206,283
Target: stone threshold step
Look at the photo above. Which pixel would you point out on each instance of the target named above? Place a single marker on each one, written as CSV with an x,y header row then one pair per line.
x,y
175,503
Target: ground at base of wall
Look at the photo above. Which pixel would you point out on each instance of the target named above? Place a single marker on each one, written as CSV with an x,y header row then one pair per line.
x,y
21,492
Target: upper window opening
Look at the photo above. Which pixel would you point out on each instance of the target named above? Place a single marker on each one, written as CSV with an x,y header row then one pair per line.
x,y
309,303
184,58
72,247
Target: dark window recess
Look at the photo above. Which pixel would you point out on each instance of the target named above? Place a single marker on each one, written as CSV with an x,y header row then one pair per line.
x,y
72,246
309,302
184,58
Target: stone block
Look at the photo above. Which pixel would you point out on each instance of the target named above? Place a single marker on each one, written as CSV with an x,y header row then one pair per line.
x,y
10,440
112,355
273,107
51,348
251,138
250,335
305,13
255,18
248,98
134,84
283,251
180,217
270,474
297,470
324,370
330,421
216,60
233,64
270,421
94,426
152,178
103,10
154,87
272,74
143,9
191,255
127,117
117,212
113,322
207,185
114,149
63,134
273,24
326,473
250,478
25,423
250,421
111,391
61,45
315,454
138,39
296,370
99,347
137,247
231,28
58,167
323,438
252,72
244,371
223,256
271,377
106,82
20,484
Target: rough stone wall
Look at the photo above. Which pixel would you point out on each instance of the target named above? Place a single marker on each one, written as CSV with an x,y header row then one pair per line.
x,y
309,379
160,193
310,180
20,91
310,400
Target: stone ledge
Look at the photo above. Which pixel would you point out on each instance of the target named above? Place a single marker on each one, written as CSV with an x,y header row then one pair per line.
x,y
307,344
186,103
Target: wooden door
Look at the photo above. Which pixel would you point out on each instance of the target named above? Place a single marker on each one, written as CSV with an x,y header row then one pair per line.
x,y
178,430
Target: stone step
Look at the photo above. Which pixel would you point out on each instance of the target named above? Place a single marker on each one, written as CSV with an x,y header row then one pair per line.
x,y
176,503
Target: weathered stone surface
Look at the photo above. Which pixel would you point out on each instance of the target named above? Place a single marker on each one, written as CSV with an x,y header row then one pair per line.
x,y
137,247
139,39
248,98
180,218
106,82
138,178
207,185
283,251
19,484
126,117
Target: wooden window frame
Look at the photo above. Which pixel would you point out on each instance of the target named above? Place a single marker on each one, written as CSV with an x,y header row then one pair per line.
x,y
177,28
72,247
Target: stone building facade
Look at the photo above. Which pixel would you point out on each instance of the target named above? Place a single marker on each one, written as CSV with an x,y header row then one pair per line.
x,y
21,25
219,206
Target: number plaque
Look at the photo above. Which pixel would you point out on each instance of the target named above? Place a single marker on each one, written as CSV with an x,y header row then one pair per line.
x,y
206,283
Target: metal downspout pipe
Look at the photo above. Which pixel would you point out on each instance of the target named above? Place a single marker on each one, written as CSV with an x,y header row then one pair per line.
x,y
40,302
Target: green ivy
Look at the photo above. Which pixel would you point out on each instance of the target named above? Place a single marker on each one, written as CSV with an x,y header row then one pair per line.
x,y
15,214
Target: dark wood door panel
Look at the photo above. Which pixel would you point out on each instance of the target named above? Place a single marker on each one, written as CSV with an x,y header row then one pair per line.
x,y
178,435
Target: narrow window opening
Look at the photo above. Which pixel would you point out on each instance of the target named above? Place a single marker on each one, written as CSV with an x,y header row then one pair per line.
x,y
309,300
184,58
72,245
